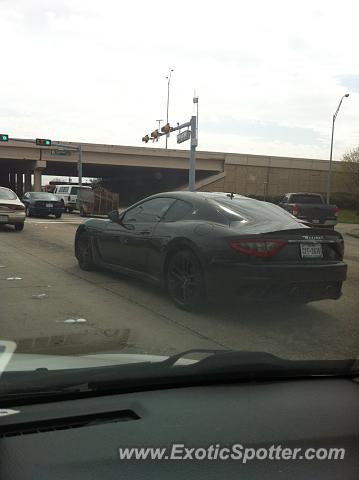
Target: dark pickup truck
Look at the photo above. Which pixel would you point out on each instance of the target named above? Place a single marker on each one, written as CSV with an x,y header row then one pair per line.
x,y
310,208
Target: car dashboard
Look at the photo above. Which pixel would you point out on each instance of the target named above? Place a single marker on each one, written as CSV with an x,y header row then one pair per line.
x,y
80,438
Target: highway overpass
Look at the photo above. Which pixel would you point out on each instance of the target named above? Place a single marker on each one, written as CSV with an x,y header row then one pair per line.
x,y
139,171
134,168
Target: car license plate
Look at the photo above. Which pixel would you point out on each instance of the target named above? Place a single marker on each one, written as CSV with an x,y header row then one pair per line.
x,y
315,221
49,205
309,250
4,218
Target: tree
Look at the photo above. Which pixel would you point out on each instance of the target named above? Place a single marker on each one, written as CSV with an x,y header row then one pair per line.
x,y
351,168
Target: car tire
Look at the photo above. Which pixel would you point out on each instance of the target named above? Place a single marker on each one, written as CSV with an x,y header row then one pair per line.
x,y
27,211
70,210
84,252
58,215
185,280
19,227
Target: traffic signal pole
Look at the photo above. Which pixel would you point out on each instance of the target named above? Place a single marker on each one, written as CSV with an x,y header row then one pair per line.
x,y
79,165
56,144
192,159
193,136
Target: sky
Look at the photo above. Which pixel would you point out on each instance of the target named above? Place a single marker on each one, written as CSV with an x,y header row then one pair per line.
x,y
269,74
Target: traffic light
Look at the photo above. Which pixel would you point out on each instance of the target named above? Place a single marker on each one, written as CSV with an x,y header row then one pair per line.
x,y
43,142
166,129
4,137
145,138
154,135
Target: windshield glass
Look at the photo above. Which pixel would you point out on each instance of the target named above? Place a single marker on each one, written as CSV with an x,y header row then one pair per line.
x,y
162,154
313,199
43,196
250,211
6,194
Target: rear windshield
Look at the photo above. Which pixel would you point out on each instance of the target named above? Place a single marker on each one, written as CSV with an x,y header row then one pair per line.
x,y
306,199
6,194
238,210
44,196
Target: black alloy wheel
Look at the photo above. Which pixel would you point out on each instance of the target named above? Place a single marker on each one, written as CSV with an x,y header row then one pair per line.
x,y
84,252
27,211
185,281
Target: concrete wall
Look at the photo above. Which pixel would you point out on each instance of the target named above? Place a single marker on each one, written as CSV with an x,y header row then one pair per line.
x,y
260,175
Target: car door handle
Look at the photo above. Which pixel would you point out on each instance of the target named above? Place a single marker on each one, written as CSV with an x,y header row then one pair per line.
x,y
145,232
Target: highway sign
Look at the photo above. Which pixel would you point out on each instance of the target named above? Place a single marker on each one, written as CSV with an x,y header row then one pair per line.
x,y
183,136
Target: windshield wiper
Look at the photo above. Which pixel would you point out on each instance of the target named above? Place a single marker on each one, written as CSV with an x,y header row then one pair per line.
x,y
217,366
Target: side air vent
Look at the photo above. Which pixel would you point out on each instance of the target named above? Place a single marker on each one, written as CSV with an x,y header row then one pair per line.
x,y
66,423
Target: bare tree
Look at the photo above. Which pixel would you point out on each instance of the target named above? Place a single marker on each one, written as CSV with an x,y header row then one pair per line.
x,y
351,168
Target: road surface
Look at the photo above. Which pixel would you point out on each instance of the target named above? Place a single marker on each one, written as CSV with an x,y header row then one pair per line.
x,y
48,291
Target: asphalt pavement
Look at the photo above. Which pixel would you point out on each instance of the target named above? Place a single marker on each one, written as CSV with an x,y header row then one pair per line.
x,y
49,305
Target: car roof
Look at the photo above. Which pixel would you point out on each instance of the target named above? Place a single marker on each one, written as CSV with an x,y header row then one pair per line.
x,y
201,195
31,193
304,193
73,185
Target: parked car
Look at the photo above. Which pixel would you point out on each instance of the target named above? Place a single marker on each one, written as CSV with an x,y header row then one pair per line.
x,y
12,210
310,208
200,244
42,203
67,194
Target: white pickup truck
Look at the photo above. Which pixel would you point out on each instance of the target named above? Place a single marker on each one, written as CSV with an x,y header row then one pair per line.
x,y
67,194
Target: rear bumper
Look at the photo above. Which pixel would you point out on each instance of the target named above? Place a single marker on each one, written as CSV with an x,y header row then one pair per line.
x,y
46,211
309,282
11,218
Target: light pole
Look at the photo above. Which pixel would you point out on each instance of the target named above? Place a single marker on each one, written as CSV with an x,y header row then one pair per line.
x,y
168,97
159,124
331,149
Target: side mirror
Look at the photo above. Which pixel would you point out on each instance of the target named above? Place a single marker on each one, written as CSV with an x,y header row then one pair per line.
x,y
114,216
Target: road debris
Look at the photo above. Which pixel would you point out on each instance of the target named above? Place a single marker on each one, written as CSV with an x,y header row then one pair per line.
x,y
73,320
39,295
14,278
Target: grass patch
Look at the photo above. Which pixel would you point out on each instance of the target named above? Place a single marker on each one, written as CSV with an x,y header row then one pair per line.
x,y
348,216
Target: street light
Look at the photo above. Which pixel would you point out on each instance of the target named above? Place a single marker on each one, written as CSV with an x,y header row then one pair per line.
x,y
159,123
331,149
168,97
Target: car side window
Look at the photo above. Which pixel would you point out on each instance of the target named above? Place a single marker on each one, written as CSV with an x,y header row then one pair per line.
x,y
178,210
150,211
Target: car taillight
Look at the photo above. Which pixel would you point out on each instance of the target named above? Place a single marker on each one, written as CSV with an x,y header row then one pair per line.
x,y
18,207
336,212
340,248
295,210
257,248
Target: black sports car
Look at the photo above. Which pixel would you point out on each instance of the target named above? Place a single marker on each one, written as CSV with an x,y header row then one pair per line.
x,y
42,203
200,244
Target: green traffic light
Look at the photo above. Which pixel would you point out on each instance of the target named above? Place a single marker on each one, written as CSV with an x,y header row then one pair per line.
x,y
4,137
